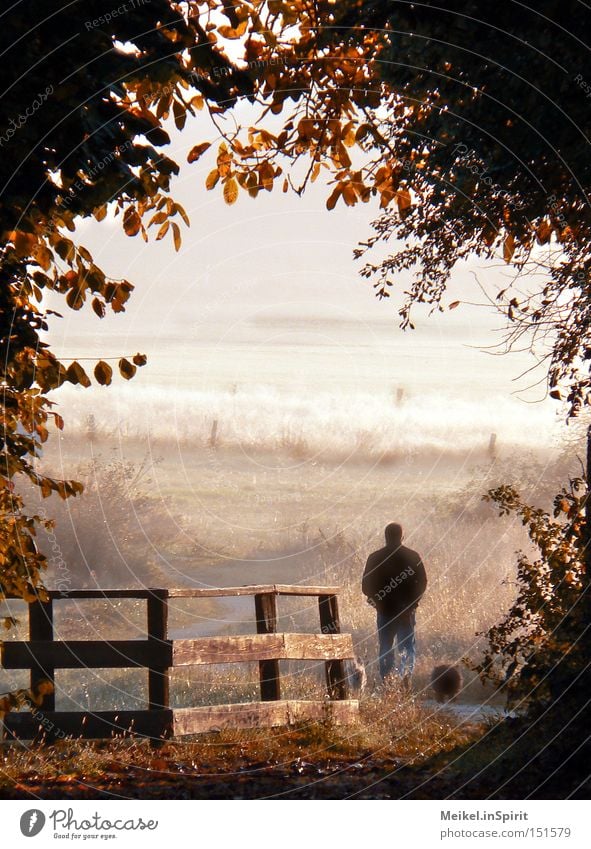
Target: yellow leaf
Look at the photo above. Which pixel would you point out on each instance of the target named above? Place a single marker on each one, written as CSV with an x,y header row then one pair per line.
x,y
231,191
176,235
212,179
163,231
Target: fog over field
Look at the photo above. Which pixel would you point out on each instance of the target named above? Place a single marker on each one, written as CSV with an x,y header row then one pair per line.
x,y
283,419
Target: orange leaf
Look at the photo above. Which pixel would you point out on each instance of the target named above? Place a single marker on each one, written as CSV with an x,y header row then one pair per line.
x,y
508,248
131,222
176,235
198,151
212,179
231,191
403,201
332,200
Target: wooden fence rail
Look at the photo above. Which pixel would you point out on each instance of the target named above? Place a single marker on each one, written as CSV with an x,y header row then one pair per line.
x,y
42,654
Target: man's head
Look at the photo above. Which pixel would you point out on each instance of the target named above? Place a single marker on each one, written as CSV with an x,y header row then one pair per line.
x,y
393,534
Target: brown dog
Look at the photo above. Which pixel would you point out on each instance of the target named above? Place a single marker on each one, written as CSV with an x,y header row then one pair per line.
x,y
446,682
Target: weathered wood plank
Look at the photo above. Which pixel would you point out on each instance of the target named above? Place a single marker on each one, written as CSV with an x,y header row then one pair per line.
x,y
158,675
41,628
89,654
227,649
262,714
188,592
97,724
257,647
160,654
336,681
212,592
318,646
163,723
279,589
269,673
140,593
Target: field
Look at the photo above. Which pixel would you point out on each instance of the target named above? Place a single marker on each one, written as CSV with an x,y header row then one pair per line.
x,y
242,516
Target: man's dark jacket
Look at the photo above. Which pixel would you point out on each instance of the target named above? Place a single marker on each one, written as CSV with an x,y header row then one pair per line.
x,y
394,579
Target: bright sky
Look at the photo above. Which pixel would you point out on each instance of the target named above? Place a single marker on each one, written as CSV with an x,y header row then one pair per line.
x,y
276,255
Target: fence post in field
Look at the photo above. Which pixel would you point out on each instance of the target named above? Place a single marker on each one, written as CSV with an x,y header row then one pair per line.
x,y
41,628
158,676
265,605
213,436
330,624
492,446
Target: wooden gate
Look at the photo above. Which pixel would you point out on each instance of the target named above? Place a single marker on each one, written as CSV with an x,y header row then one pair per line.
x,y
42,655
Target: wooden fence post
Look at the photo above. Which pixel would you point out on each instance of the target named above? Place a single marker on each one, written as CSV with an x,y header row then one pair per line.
x,y
265,605
336,680
41,628
158,676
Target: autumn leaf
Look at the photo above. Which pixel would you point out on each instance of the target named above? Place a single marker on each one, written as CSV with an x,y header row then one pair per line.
x,y
43,256
163,231
332,200
131,222
198,151
140,359
75,374
544,232
24,243
103,373
76,297
231,191
98,307
126,369
508,247
176,235
212,179
404,202
453,305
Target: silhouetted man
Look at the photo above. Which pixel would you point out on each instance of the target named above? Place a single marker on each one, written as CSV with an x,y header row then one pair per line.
x,y
394,581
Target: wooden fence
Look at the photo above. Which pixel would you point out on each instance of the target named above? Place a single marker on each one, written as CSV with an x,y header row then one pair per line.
x,y
42,655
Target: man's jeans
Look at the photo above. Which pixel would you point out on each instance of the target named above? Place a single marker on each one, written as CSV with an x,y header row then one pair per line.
x,y
399,629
